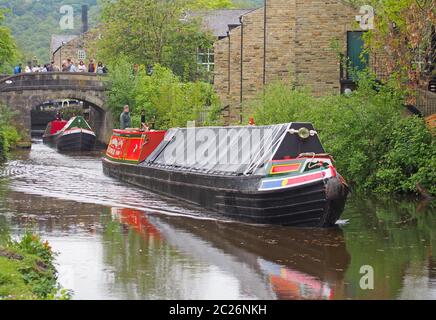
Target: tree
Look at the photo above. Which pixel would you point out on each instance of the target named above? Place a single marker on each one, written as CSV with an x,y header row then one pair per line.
x,y
152,31
212,4
405,32
8,49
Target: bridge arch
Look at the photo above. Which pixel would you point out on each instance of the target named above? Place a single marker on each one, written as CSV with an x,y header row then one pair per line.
x,y
26,91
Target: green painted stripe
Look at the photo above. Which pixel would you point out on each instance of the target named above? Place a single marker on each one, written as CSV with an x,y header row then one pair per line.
x,y
121,161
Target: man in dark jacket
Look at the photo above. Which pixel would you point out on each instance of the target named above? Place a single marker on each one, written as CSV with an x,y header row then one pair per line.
x,y
125,121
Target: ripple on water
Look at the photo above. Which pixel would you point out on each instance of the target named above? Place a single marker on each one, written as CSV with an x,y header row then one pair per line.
x,y
79,177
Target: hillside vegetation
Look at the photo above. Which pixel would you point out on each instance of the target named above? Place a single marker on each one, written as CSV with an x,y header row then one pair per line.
x,y
34,21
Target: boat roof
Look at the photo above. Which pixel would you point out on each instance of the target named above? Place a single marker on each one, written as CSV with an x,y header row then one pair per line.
x,y
234,150
77,122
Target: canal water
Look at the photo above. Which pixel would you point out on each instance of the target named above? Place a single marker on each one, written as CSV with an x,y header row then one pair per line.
x,y
115,241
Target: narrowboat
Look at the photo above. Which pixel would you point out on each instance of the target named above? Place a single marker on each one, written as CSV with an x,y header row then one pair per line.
x,y
73,135
277,174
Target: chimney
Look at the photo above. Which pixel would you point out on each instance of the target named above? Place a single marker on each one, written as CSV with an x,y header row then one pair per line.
x,y
84,18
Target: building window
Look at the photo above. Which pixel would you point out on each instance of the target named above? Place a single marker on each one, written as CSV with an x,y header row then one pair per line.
x,y
206,63
81,54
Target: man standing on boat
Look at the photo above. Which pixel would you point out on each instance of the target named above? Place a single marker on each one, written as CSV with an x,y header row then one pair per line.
x,y
125,121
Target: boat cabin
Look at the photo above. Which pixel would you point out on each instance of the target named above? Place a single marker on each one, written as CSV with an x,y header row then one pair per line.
x,y
133,146
55,126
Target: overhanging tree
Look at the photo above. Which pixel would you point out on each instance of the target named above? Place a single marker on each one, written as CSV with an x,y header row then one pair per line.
x,y
153,31
405,32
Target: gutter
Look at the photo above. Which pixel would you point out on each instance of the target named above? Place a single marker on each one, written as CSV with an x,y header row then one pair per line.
x,y
241,20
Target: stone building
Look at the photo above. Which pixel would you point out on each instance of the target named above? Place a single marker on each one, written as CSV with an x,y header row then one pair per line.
x,y
79,47
287,40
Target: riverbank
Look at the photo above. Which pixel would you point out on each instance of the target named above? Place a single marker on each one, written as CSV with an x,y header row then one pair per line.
x,y
27,270
11,136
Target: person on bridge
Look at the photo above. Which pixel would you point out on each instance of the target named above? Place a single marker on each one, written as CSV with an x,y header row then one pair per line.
x,y
65,66
72,66
53,67
91,66
28,68
125,121
17,69
81,67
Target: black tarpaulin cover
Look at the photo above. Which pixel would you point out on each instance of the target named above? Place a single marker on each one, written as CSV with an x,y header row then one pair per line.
x,y
230,150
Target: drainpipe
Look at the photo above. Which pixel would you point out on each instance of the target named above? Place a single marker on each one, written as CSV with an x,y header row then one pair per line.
x,y
241,20
228,62
264,41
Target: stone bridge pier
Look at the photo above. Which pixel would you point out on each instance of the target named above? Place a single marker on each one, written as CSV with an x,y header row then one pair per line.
x,y
23,92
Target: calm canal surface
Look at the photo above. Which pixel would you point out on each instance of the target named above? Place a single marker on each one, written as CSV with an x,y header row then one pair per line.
x,y
116,241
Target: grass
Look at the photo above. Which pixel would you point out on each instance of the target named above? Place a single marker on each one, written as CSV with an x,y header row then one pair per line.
x,y
27,271
12,284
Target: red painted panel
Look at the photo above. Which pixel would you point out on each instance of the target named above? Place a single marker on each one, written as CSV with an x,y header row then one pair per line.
x,y
57,125
133,145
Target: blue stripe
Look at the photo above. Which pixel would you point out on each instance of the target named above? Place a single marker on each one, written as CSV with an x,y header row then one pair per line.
x,y
271,184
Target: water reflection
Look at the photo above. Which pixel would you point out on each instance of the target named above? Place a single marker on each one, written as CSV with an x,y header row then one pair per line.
x,y
119,242
396,238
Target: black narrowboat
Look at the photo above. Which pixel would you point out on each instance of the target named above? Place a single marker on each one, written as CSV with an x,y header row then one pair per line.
x,y
73,135
277,174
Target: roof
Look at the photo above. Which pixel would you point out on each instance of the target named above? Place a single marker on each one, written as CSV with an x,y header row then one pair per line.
x,y
236,150
57,39
217,21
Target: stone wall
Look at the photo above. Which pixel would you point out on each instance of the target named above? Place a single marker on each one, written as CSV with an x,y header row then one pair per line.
x,y
318,23
299,36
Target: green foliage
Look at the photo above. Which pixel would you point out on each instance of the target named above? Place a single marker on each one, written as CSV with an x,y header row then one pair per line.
x,y
376,147
248,3
280,102
211,4
166,100
403,31
152,31
172,102
123,84
32,244
27,270
33,22
42,18
8,49
9,135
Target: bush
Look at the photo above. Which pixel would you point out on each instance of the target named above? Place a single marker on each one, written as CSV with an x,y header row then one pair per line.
x,y
9,135
162,95
376,147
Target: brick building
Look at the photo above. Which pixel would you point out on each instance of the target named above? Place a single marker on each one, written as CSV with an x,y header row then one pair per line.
x,y
287,40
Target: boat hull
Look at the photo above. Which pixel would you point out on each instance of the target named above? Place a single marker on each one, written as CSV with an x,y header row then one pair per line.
x,y
50,140
76,141
316,204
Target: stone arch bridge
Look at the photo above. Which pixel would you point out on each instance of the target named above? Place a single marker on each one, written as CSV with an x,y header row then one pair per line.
x,y
26,91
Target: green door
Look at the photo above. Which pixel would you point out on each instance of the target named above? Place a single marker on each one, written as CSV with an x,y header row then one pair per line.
x,y
355,46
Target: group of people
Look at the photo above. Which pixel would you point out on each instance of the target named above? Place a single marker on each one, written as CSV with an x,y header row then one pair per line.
x,y
67,66
49,67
